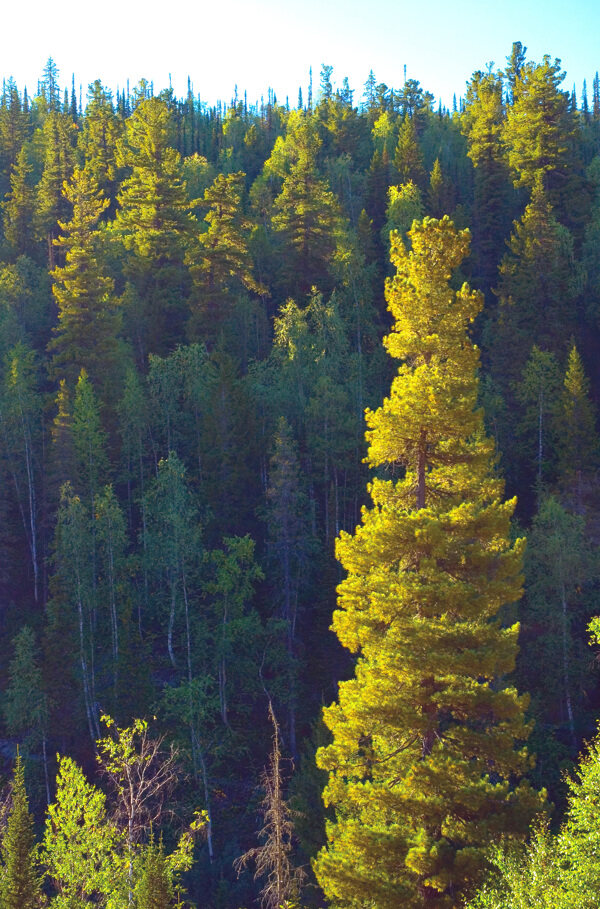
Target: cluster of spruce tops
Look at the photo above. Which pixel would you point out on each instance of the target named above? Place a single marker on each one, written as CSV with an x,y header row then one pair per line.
x,y
191,313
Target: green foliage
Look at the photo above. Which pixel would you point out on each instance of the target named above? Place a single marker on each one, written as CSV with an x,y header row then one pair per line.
x,y
536,288
428,568
237,628
25,296
20,425
75,591
482,122
538,392
405,205
220,262
80,848
153,204
51,205
93,856
408,159
171,548
141,774
154,887
554,871
103,267
14,123
25,704
20,878
98,139
89,439
439,195
19,206
154,223
112,565
88,318
539,124
591,240
560,562
306,214
578,445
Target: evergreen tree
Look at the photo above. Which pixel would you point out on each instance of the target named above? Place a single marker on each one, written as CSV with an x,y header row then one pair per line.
x,y
378,180
482,122
20,206
560,560
579,840
59,158
154,886
25,705
26,301
408,158
414,102
596,97
578,446
307,217
74,586
539,395
221,264
100,132
439,192
539,128
512,70
424,738
88,319
370,94
89,440
585,107
20,879
289,544
20,431
154,223
536,289
48,87
13,131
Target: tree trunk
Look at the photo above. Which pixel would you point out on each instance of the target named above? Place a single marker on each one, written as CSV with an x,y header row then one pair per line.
x,y
421,466
565,661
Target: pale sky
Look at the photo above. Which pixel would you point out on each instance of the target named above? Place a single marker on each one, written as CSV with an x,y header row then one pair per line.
x,y
273,42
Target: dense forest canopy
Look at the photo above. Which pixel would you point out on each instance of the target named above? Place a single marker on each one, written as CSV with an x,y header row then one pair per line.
x,y
192,307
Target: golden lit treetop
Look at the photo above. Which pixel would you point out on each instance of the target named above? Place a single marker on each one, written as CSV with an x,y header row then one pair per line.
x,y
430,424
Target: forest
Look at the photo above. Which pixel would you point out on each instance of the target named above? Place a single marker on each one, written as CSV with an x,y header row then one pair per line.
x,y
299,510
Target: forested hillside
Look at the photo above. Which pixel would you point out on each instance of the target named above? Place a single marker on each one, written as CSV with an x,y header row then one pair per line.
x,y
192,310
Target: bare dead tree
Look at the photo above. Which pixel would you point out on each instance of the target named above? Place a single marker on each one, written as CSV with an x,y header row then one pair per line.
x,y
272,858
141,774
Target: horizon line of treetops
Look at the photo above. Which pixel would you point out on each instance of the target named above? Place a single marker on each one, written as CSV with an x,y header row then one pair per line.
x,y
125,98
